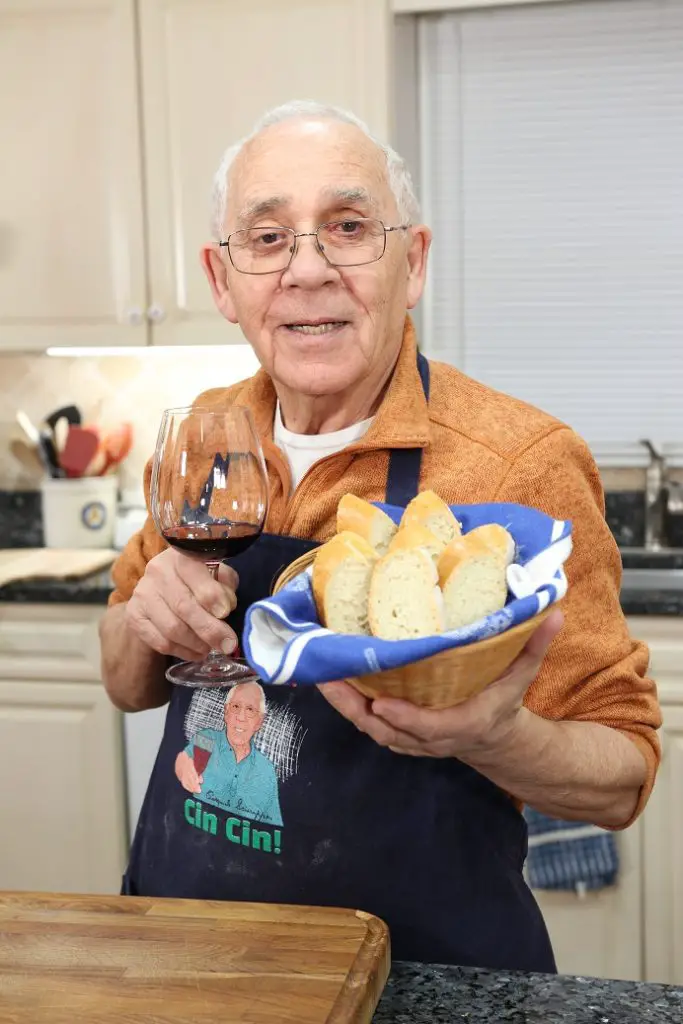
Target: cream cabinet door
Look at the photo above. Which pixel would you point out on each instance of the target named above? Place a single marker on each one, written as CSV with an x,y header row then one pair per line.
x,y
209,70
62,813
663,817
71,221
600,935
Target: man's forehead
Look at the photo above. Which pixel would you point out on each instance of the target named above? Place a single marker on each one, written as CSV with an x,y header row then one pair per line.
x,y
306,161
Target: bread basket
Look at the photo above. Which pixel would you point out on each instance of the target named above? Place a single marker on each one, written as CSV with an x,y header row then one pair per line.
x,y
447,678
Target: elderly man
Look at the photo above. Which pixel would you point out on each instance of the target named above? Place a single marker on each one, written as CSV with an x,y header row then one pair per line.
x,y
237,776
408,813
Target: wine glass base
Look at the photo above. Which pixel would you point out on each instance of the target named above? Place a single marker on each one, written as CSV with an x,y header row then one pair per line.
x,y
214,672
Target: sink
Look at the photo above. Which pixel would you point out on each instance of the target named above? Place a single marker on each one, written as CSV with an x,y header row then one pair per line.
x,y
666,580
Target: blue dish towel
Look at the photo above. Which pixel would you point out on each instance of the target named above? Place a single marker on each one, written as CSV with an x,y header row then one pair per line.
x,y
284,642
569,855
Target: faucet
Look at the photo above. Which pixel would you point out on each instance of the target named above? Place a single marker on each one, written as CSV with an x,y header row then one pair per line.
x,y
662,495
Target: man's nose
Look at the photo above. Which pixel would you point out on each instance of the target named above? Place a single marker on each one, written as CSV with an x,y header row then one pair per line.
x,y
308,268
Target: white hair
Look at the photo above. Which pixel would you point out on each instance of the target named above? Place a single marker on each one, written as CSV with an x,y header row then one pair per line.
x,y
398,174
251,682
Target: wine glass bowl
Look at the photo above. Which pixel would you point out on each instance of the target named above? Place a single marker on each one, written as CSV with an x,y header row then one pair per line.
x,y
209,498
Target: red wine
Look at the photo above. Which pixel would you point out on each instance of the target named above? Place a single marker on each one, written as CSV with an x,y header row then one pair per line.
x,y
219,540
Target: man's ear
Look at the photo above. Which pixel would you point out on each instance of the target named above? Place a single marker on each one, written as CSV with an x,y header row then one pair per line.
x,y
211,258
417,263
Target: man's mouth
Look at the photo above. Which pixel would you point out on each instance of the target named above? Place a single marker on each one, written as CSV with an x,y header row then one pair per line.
x,y
316,326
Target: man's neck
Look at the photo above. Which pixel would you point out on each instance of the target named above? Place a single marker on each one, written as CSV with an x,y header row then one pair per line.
x,y
324,414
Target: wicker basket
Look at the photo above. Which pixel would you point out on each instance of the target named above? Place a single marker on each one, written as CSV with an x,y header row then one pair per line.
x,y
444,679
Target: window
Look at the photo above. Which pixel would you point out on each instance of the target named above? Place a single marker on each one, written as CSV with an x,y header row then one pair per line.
x,y
551,170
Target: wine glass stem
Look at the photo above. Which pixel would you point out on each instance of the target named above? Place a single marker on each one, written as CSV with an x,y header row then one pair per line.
x,y
214,655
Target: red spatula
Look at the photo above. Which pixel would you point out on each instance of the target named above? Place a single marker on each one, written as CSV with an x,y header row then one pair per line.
x,y
77,454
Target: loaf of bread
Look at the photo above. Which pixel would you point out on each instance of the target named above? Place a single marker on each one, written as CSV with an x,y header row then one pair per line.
x,y
405,599
420,579
429,510
416,536
368,521
341,583
472,574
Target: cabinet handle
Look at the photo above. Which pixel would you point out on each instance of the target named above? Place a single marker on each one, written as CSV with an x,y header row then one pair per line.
x,y
155,313
134,316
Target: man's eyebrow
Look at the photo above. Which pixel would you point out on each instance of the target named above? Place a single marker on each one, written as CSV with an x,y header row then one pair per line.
x,y
261,207
350,197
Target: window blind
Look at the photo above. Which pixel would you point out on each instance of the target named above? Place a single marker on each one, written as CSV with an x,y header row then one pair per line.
x,y
551,143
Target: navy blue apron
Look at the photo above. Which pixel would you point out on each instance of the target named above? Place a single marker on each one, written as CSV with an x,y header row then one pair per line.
x,y
319,814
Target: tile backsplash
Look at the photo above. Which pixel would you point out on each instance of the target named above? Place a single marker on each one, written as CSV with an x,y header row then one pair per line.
x,y
137,387
109,390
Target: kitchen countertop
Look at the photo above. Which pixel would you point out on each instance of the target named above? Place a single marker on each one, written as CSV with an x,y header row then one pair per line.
x,y
95,589
431,994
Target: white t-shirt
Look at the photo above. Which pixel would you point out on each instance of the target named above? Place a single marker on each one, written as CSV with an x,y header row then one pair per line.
x,y
303,450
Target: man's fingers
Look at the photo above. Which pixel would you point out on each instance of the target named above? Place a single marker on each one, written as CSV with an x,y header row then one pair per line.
x,y
217,598
228,577
215,633
174,629
149,633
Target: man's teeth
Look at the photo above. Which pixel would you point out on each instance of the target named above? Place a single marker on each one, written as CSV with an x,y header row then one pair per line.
x,y
315,328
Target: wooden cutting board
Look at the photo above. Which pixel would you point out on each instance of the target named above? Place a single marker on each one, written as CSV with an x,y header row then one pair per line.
x,y
52,563
124,960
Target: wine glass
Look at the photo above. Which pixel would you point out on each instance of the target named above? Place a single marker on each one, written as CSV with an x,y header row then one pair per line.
x,y
209,497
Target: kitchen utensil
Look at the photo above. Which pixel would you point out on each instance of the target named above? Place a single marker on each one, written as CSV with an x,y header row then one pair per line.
x,y
71,413
49,450
81,445
61,432
83,959
117,445
43,443
98,463
52,563
27,456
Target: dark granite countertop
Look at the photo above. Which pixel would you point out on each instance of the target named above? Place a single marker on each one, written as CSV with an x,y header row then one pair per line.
x,y
95,589
430,994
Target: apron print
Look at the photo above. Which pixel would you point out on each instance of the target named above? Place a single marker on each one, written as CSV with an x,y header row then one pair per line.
x,y
239,750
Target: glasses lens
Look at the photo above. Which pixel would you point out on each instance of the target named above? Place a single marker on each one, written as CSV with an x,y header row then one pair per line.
x,y
261,250
350,243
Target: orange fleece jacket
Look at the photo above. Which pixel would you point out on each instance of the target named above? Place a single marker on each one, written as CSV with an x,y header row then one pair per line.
x,y
478,446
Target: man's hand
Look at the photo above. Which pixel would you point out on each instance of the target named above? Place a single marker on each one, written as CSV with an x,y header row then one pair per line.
x,y
479,724
186,773
177,606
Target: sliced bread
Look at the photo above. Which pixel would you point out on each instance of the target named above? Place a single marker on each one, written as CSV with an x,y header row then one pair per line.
x,y
368,521
472,575
416,536
405,600
429,510
341,582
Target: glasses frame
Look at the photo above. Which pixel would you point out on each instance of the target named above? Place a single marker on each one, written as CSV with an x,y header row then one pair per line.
x,y
296,235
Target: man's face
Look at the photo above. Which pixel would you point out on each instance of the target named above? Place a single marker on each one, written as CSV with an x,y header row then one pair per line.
x,y
300,174
243,716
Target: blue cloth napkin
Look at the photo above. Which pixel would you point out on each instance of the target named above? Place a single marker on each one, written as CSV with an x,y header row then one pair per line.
x,y
284,642
569,855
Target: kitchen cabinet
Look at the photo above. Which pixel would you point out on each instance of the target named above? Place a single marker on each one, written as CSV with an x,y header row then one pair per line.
x,y
116,115
635,929
663,817
71,215
62,804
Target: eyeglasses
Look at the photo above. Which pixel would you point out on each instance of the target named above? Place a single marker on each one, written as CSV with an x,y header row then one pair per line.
x,y
343,243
